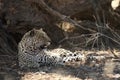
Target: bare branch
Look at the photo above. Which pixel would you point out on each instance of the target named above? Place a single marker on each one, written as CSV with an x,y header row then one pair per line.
x,y
58,15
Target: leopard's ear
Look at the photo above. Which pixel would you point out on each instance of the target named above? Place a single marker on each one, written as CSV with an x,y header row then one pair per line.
x,y
32,32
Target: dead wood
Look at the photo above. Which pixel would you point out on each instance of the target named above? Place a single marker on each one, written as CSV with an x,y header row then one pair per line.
x,y
67,19
8,45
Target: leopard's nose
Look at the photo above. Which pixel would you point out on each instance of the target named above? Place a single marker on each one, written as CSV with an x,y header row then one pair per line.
x,y
48,43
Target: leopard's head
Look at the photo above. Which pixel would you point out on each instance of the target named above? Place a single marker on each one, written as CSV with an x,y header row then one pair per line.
x,y
36,38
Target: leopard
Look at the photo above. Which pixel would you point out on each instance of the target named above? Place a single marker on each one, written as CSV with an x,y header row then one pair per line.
x,y
31,47
33,51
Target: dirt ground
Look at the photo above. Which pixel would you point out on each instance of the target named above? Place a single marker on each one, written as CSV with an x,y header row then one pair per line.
x,y
75,27
108,70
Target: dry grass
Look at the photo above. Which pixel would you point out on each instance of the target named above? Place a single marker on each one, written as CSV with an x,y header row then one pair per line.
x,y
47,76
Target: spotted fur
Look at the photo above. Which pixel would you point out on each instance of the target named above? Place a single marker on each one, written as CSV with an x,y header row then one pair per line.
x,y
32,51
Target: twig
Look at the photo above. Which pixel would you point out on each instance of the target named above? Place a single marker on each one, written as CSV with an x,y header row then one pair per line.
x,y
45,8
